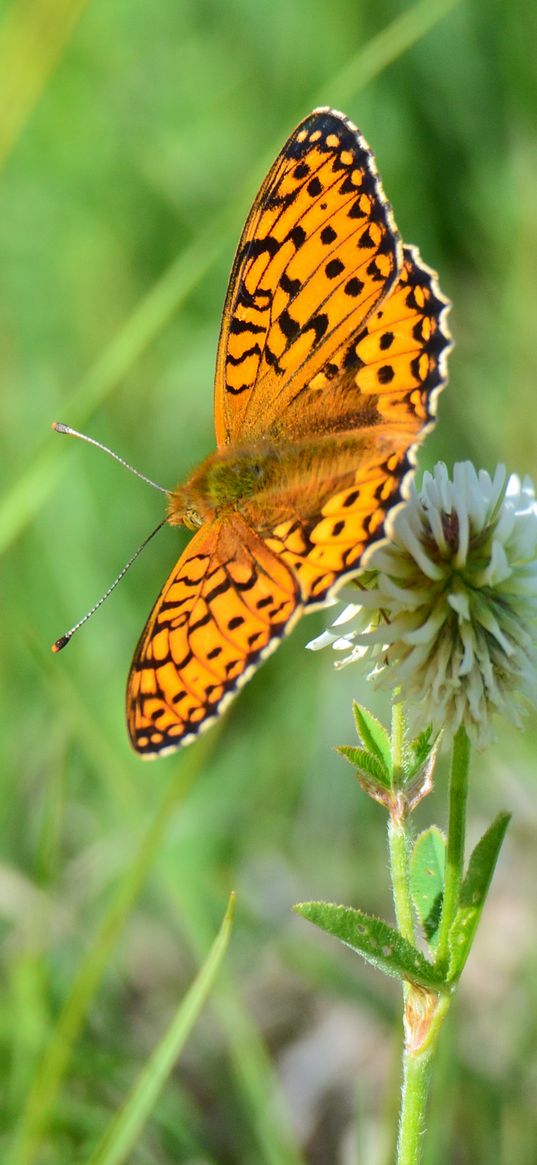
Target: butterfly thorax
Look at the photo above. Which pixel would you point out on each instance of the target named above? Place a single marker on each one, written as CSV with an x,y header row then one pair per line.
x,y
264,480
222,482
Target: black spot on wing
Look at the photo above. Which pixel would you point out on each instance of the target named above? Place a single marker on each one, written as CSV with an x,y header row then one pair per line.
x,y
265,602
297,236
385,374
356,210
333,268
255,350
318,325
289,326
328,235
237,327
366,240
290,286
354,287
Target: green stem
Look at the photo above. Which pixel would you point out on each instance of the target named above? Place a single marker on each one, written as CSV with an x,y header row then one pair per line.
x,y
458,795
400,876
425,1014
425,1011
416,1077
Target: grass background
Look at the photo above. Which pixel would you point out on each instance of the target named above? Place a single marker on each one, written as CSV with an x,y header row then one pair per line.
x,y
132,140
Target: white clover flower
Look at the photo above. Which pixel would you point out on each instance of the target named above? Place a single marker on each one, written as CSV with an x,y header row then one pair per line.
x,y
450,614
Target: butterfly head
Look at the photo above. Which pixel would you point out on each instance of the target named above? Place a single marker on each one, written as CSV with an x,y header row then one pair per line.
x,y
182,509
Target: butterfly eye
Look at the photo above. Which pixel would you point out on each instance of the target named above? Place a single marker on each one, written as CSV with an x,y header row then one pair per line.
x,y
192,520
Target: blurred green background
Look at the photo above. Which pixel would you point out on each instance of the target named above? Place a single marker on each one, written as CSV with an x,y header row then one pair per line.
x,y
133,136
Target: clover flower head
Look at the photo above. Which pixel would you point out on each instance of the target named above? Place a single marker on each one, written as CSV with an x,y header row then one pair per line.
x,y
449,614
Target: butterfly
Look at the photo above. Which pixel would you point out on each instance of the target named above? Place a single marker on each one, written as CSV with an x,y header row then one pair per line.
x,y
332,352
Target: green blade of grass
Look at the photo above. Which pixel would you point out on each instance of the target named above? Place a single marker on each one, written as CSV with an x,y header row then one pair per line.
x,y
32,38
263,1106
121,1137
54,1063
386,47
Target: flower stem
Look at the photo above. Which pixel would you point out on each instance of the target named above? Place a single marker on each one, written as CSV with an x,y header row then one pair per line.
x,y
425,1010
458,794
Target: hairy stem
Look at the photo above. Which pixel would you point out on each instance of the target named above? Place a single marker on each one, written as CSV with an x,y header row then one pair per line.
x,y
425,1012
416,1076
399,872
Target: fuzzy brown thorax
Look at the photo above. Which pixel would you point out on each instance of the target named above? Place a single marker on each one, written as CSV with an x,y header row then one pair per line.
x,y
223,482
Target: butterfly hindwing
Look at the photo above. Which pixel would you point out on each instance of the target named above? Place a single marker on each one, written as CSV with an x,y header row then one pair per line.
x,y
226,605
328,547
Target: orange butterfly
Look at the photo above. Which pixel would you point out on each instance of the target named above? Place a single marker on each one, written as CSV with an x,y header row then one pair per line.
x,y
332,351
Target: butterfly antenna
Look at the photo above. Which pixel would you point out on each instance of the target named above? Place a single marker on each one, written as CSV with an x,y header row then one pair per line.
x,y
59,427
64,639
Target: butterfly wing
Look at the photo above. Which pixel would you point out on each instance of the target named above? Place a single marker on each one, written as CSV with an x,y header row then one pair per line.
x,y
330,329
318,254
390,372
226,605
325,550
379,407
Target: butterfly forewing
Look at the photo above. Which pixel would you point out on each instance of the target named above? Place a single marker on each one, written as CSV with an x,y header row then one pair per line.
x,y
318,254
389,372
378,408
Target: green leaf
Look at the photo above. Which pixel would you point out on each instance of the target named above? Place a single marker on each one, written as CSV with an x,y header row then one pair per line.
x,y
418,751
418,767
374,736
119,1139
474,891
368,765
377,942
427,880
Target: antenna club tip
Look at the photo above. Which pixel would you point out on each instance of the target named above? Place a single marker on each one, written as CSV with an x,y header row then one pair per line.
x,y
58,426
60,643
